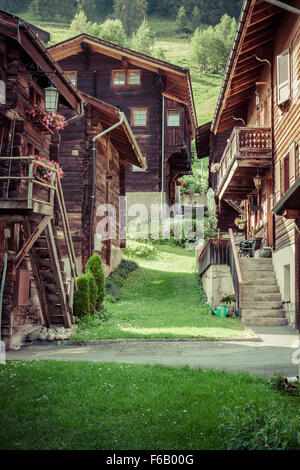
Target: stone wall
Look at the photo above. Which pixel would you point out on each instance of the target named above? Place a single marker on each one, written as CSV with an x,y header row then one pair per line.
x,y
217,281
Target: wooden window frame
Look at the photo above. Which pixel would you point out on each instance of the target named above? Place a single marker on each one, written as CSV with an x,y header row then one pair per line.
x,y
287,53
179,113
75,73
36,94
286,173
113,73
126,77
135,71
132,117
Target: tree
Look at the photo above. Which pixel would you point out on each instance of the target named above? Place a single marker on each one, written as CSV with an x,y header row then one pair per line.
x,y
80,24
131,13
94,265
143,39
54,10
88,7
113,31
209,48
182,21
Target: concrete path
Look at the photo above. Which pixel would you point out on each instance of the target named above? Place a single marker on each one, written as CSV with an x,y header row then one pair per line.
x,y
271,354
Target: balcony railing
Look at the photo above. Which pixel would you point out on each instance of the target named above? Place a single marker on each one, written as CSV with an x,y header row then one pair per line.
x,y
245,143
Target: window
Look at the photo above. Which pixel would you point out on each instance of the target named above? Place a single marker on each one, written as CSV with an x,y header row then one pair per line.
x,y
34,96
283,77
137,168
134,77
126,77
118,77
139,116
173,117
72,76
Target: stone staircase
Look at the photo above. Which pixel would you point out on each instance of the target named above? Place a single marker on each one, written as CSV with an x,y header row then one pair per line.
x,y
260,295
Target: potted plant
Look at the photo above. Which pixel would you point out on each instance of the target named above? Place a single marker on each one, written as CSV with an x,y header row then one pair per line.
x,y
50,120
265,252
230,300
240,222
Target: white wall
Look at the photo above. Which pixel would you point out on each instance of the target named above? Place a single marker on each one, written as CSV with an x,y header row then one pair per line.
x,y
282,259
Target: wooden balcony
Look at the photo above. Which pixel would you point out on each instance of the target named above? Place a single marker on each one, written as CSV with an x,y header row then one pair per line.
x,y
249,150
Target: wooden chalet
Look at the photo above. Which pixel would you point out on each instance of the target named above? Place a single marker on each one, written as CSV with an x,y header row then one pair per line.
x,y
254,157
34,287
157,100
114,148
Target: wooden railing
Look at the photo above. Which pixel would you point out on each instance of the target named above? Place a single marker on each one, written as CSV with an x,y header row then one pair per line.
x,y
244,142
235,269
53,194
216,251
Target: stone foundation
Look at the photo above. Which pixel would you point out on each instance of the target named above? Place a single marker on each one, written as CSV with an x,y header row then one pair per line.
x,y
217,281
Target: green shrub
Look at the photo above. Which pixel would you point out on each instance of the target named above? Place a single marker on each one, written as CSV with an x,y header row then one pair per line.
x,y
82,297
141,251
94,265
115,280
93,291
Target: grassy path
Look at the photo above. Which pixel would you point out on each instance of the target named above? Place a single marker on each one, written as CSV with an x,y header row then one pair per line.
x,y
162,299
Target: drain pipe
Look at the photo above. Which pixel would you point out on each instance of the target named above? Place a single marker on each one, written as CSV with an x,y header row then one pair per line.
x,y
119,123
2,289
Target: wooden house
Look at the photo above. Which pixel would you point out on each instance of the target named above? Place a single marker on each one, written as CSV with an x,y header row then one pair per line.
x,y
33,221
254,160
157,100
115,146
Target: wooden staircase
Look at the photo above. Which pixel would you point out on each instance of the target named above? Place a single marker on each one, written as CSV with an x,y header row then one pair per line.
x,y
42,213
260,298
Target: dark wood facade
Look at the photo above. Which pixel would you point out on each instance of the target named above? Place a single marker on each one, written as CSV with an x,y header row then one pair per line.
x,y
96,63
31,208
113,151
255,131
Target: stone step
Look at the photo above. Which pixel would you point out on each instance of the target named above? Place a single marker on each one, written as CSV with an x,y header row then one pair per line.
x,y
256,265
265,321
258,305
260,296
254,275
269,313
260,282
260,289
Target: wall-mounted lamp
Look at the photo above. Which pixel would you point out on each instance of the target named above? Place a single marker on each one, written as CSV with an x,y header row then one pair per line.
x,y
257,181
51,98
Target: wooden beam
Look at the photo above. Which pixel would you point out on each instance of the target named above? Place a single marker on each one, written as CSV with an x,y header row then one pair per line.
x,y
291,214
31,240
36,274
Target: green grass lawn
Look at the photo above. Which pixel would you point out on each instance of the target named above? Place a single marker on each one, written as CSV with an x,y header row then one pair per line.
x,y
78,405
162,299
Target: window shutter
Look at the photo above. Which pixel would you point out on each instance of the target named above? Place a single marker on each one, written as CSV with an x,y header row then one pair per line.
x,y
286,168
283,77
277,181
281,178
292,164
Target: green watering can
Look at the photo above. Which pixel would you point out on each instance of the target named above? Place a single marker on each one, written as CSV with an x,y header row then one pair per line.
x,y
222,310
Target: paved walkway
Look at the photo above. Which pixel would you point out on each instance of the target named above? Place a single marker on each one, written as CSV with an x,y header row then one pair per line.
x,y
271,354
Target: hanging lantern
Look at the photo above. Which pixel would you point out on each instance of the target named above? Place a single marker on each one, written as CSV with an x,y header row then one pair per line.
x,y
51,98
257,181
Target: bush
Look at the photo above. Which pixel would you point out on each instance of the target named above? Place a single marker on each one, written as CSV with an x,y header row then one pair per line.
x,y
82,297
93,291
94,265
141,251
115,280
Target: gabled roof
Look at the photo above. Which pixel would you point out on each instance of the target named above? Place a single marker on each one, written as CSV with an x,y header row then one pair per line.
x,y
258,26
17,30
203,134
121,137
178,83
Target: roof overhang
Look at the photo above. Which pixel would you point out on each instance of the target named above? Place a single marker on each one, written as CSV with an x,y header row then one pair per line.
x,y
289,204
178,81
15,29
203,134
257,28
122,136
